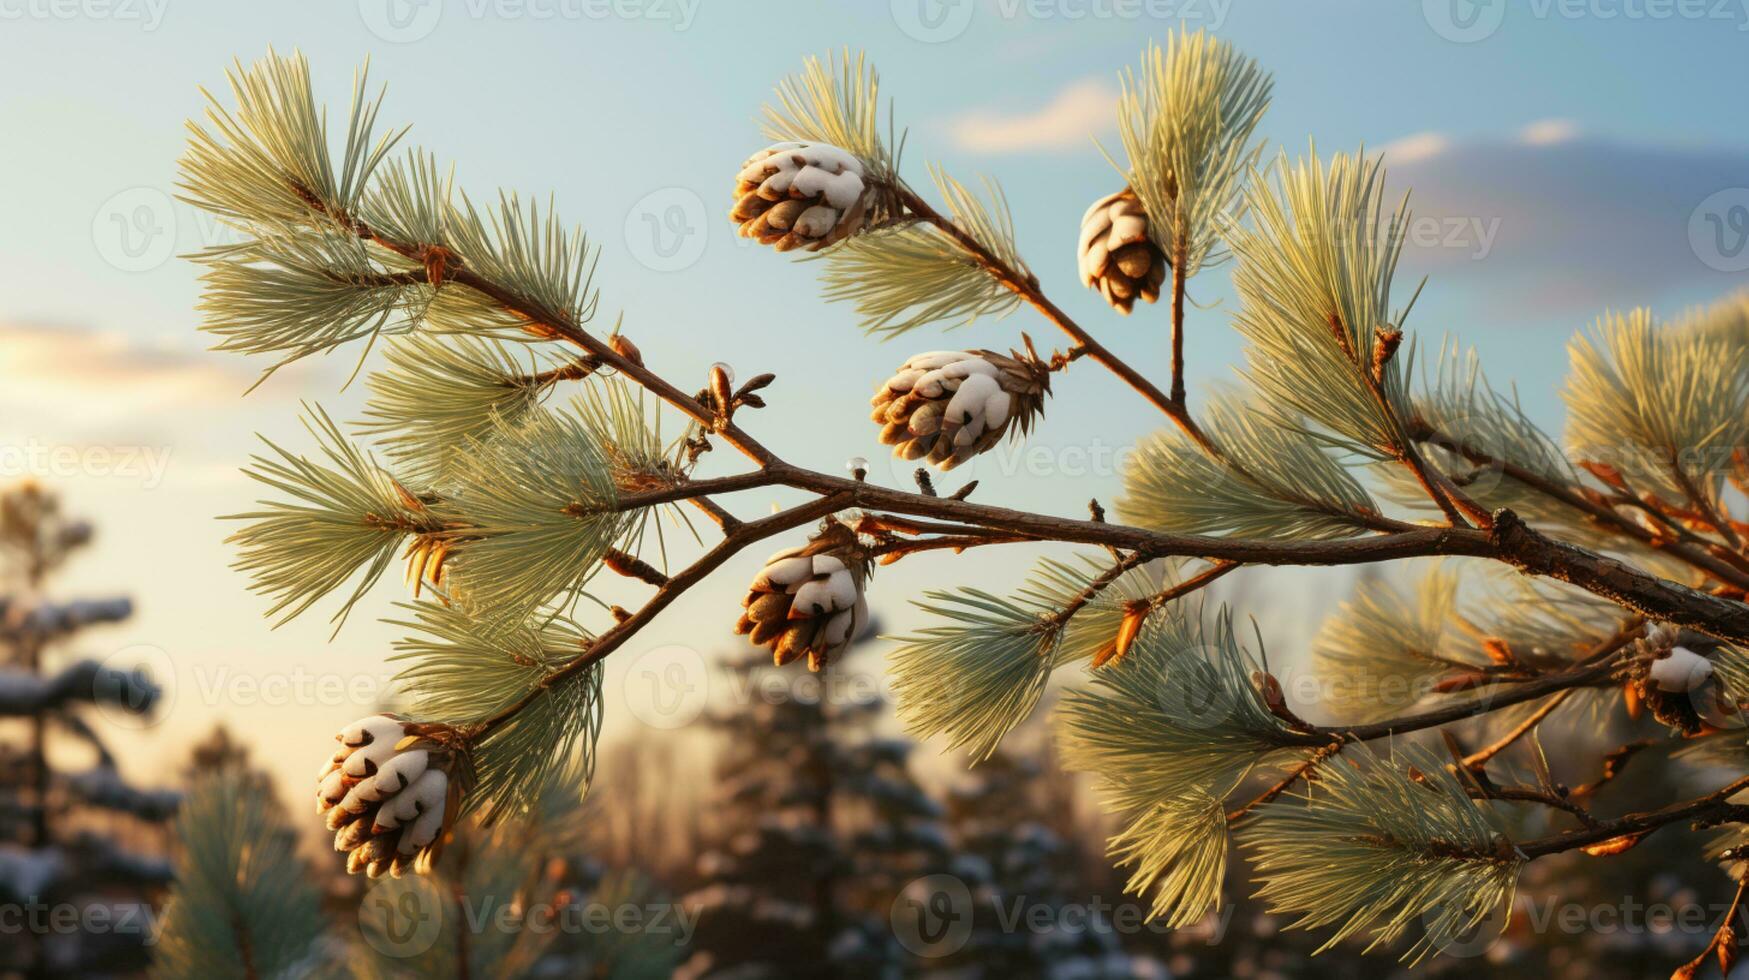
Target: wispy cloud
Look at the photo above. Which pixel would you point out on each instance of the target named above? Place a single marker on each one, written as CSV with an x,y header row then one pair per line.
x,y
1553,220
79,362
1076,113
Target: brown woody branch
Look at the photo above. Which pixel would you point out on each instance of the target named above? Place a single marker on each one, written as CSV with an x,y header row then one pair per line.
x,y
1572,497
1714,806
606,643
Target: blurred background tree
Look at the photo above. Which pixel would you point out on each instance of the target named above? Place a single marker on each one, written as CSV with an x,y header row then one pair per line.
x,y
80,845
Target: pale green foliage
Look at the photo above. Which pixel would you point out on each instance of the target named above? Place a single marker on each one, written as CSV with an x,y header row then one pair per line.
x,y
835,101
625,422
462,667
303,281
409,198
344,245
495,910
301,292
1179,849
442,394
1292,487
1173,725
1054,584
1381,650
1542,621
982,671
1649,399
1175,714
976,676
1186,120
1726,320
1460,406
1314,282
540,505
244,903
548,270
343,515
1372,852
907,277
251,165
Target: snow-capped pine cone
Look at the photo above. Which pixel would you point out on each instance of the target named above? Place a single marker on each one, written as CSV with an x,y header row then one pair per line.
x,y
948,406
801,195
1679,686
391,791
808,600
1116,256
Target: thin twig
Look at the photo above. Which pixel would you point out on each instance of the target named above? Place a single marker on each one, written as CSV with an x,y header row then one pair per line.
x,y
607,642
1303,770
1713,806
1481,757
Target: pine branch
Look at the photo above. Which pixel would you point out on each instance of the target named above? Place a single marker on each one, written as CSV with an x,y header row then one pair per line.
x,y
1712,807
243,900
607,642
30,695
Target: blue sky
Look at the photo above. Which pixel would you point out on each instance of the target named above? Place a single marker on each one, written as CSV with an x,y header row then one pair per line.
x,y
1561,154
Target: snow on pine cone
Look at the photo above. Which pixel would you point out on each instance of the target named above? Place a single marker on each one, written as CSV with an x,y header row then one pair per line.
x,y
391,791
1677,683
950,405
1116,255
801,195
809,599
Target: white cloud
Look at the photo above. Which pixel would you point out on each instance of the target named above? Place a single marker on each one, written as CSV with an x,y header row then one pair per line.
x,y
1070,119
1557,222
1549,132
1420,146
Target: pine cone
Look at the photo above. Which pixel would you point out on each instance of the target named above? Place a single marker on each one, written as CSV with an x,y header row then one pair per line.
x,y
809,599
952,405
391,792
1116,256
801,195
1680,688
